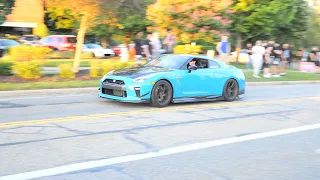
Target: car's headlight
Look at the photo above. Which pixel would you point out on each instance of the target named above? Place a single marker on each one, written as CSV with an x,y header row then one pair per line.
x,y
142,79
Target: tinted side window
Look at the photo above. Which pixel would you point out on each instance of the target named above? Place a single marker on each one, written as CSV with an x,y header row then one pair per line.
x,y
201,63
60,40
213,65
72,39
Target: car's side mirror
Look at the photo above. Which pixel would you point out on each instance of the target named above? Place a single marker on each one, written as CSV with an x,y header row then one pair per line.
x,y
192,68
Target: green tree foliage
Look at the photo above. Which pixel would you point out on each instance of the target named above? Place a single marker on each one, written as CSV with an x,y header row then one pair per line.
x,y
41,30
62,17
131,16
5,9
277,19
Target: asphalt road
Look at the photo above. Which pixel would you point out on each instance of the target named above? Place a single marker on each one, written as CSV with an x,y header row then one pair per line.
x,y
80,136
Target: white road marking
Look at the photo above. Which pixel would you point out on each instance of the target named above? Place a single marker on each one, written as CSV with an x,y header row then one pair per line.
x,y
164,152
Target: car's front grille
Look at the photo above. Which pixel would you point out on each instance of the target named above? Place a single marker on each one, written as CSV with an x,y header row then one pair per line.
x,y
114,92
114,87
113,81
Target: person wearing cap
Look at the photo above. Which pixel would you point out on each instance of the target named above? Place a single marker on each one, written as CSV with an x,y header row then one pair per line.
x,y
258,52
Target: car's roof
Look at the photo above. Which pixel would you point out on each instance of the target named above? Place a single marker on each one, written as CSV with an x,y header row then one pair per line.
x,y
200,56
190,55
61,36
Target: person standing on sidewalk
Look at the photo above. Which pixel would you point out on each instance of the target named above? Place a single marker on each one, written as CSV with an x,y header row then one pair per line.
x,y
138,45
148,47
258,52
156,45
286,59
169,42
277,60
224,49
249,52
268,57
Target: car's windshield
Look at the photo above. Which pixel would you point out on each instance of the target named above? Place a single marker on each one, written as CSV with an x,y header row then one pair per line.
x,y
169,61
94,46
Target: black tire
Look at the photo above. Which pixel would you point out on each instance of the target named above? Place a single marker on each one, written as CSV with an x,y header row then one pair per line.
x,y
93,55
231,90
161,94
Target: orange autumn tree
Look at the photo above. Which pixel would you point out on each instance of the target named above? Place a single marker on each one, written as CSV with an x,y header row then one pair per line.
x,y
203,20
88,13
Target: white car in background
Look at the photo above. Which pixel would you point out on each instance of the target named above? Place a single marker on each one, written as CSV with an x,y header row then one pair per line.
x,y
97,50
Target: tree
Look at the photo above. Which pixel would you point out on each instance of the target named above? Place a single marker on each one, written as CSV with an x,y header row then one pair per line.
x,y
205,20
5,9
41,30
62,17
296,29
131,16
277,19
88,13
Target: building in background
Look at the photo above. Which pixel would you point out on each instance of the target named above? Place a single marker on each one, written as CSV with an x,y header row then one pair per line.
x,y
25,16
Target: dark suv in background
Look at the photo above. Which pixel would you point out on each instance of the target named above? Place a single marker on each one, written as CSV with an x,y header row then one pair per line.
x,y
60,42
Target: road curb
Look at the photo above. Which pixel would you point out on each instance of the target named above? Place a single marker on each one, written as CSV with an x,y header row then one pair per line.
x,y
281,83
95,89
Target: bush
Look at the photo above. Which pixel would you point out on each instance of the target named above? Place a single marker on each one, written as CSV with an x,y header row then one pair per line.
x,y
95,69
12,37
41,30
27,69
66,71
107,66
5,68
187,49
28,53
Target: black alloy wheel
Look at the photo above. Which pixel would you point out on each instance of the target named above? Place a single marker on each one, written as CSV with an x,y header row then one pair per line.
x,y
231,90
161,94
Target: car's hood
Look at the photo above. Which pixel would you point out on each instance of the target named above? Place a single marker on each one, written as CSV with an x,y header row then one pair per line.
x,y
139,71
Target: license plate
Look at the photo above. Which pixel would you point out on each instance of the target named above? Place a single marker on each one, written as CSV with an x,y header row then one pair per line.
x,y
117,92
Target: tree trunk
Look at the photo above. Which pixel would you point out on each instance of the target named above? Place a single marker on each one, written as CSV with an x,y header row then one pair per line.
x,y
104,41
80,40
238,45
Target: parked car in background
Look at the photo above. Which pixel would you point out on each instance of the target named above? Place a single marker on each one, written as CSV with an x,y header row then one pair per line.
x,y
97,50
5,44
29,39
59,42
117,49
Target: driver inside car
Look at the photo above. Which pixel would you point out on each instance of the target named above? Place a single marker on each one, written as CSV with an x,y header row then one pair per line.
x,y
192,63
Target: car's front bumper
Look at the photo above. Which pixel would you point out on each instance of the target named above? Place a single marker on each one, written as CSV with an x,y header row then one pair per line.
x,y
123,89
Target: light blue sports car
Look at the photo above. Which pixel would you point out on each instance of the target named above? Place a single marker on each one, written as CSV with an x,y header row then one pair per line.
x,y
174,79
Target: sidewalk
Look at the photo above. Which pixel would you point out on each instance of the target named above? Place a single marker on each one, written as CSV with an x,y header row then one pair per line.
x,y
55,70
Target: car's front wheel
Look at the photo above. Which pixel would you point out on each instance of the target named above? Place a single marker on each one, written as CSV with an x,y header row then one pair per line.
x,y
161,94
231,89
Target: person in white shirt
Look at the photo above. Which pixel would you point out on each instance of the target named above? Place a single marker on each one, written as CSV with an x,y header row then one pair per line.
x,y
258,52
156,45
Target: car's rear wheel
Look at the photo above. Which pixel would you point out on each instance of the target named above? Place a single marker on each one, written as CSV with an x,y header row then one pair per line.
x,y
231,89
161,94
